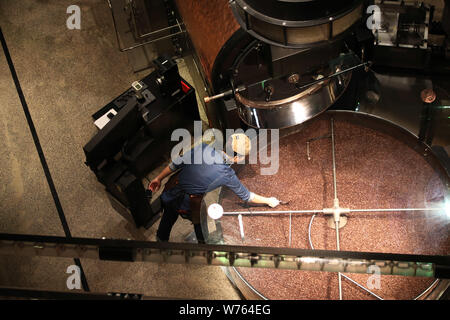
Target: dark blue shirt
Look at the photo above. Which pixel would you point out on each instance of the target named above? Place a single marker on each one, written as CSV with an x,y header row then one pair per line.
x,y
212,173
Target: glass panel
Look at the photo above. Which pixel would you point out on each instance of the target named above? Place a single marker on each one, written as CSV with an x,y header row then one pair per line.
x,y
26,204
395,196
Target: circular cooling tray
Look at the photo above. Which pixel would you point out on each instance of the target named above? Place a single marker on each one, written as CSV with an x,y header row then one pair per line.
x,y
379,165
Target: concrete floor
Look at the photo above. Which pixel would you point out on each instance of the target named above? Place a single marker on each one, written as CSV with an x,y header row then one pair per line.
x,y
67,75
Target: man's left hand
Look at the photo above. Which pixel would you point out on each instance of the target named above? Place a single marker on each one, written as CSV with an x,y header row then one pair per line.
x,y
155,185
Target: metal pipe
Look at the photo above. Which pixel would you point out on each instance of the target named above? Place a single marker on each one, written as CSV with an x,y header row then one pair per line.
x,y
309,231
336,204
241,227
290,228
243,88
272,212
334,159
396,209
218,96
333,75
308,143
307,150
427,289
150,41
225,94
336,223
259,213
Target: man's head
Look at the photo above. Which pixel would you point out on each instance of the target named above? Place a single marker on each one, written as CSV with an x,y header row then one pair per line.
x,y
241,144
238,146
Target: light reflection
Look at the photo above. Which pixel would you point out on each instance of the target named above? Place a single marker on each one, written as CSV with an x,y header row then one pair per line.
x,y
447,208
299,112
309,260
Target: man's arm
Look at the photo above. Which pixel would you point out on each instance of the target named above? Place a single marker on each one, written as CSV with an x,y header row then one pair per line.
x,y
271,202
173,166
242,192
156,183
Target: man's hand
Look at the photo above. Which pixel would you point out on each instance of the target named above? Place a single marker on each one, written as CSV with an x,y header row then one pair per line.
x,y
155,185
273,202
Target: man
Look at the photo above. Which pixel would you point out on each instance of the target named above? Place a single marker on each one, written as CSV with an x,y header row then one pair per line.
x,y
183,193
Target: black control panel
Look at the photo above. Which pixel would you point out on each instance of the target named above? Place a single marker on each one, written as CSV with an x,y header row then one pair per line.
x,y
137,139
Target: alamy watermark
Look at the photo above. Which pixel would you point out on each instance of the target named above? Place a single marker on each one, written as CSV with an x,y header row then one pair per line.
x,y
74,20
374,281
374,20
74,280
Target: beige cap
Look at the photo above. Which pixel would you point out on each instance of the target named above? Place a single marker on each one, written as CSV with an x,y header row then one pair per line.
x,y
241,144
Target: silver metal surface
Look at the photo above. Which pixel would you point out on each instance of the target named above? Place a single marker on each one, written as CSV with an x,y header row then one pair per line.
x,y
295,34
294,110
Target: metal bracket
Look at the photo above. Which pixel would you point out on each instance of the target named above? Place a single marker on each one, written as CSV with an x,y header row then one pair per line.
x,y
146,35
